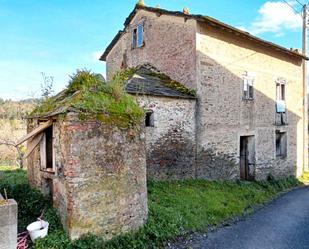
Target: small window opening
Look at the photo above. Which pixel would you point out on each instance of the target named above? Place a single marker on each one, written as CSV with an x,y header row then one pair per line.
x,y
138,36
46,150
281,144
280,95
49,147
248,92
149,119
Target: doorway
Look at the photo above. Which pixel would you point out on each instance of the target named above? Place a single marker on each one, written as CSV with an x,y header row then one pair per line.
x,y
247,158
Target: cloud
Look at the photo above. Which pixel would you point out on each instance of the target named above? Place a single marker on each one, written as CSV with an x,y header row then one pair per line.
x,y
276,17
96,55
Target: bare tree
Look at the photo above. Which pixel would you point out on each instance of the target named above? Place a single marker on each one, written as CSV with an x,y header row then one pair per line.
x,y
47,85
19,148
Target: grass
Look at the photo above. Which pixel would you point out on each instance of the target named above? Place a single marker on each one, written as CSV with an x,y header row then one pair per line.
x,y
305,178
92,98
175,209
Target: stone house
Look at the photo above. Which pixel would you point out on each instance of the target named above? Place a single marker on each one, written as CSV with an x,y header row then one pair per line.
x,y
248,117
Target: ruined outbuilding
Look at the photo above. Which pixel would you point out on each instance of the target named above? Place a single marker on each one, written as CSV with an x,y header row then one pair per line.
x,y
90,160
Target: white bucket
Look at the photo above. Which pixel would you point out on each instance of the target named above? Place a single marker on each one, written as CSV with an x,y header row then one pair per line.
x,y
38,229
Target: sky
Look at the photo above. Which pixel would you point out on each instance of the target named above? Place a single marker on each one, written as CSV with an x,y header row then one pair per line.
x,y
57,37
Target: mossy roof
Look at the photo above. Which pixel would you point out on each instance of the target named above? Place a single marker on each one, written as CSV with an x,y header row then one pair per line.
x,y
88,93
147,80
92,98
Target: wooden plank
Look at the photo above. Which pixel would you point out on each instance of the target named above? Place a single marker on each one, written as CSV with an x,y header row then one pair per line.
x,y
43,152
36,131
32,144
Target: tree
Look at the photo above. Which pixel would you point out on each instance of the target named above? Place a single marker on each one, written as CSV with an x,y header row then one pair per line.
x,y
20,149
47,85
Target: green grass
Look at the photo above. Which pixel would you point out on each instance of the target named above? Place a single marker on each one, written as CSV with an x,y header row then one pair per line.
x,y
92,98
175,209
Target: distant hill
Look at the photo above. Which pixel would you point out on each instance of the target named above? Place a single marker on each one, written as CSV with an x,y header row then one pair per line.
x,y
13,126
10,109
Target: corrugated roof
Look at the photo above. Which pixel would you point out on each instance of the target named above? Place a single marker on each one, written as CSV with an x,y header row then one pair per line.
x,y
206,19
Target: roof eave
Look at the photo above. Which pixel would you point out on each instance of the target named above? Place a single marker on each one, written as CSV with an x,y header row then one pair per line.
x,y
201,19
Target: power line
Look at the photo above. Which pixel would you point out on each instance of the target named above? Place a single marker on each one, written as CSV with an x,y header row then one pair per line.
x,y
292,7
300,3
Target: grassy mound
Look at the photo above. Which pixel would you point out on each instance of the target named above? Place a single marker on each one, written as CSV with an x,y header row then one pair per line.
x,y
90,96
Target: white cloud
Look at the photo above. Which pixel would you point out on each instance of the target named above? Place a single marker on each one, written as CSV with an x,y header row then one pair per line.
x,y
96,55
276,17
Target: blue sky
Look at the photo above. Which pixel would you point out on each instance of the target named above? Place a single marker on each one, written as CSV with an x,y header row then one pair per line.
x,y
59,36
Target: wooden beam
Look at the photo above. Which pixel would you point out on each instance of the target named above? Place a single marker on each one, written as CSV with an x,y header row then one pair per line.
x,y
36,131
32,144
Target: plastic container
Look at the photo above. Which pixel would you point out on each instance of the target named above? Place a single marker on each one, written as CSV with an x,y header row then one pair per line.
x,y
38,229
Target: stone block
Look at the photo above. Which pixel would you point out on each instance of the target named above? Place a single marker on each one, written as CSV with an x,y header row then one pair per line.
x,y
8,224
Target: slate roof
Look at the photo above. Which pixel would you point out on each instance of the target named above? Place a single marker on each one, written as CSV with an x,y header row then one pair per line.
x,y
149,81
201,18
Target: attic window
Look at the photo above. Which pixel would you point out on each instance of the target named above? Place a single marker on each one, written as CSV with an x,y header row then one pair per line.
x,y
149,119
138,36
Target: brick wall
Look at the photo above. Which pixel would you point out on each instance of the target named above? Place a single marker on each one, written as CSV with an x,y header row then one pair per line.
x,y
169,46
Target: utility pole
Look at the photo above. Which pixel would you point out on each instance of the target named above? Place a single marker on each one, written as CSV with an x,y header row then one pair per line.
x,y
305,118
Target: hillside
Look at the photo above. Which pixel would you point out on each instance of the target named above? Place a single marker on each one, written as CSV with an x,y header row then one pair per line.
x,y
12,126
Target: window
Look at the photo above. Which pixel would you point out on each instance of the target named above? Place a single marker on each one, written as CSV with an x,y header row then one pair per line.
x,y
281,144
280,95
248,81
149,119
46,149
138,36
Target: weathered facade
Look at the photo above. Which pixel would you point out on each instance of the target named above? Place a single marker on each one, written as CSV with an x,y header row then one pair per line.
x,y
94,173
249,114
170,124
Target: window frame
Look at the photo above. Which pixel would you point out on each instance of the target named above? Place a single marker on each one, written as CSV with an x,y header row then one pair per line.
x,y
43,150
280,94
281,139
138,36
248,86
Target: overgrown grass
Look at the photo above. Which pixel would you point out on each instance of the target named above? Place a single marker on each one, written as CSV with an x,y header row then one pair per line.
x,y
175,208
91,97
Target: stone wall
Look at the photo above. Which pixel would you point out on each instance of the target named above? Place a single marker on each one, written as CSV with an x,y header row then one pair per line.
x,y
224,116
170,143
214,61
99,183
169,46
8,224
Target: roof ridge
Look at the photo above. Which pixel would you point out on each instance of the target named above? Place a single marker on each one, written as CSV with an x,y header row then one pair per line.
x,y
202,18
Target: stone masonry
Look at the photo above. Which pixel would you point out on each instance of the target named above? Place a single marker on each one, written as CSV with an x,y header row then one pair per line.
x,y
98,183
170,143
212,58
8,224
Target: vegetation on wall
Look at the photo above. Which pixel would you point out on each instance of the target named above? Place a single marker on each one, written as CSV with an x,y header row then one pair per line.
x,y
90,96
168,82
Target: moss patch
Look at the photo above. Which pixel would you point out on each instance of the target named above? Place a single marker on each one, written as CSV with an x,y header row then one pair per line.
x,y
91,97
168,82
